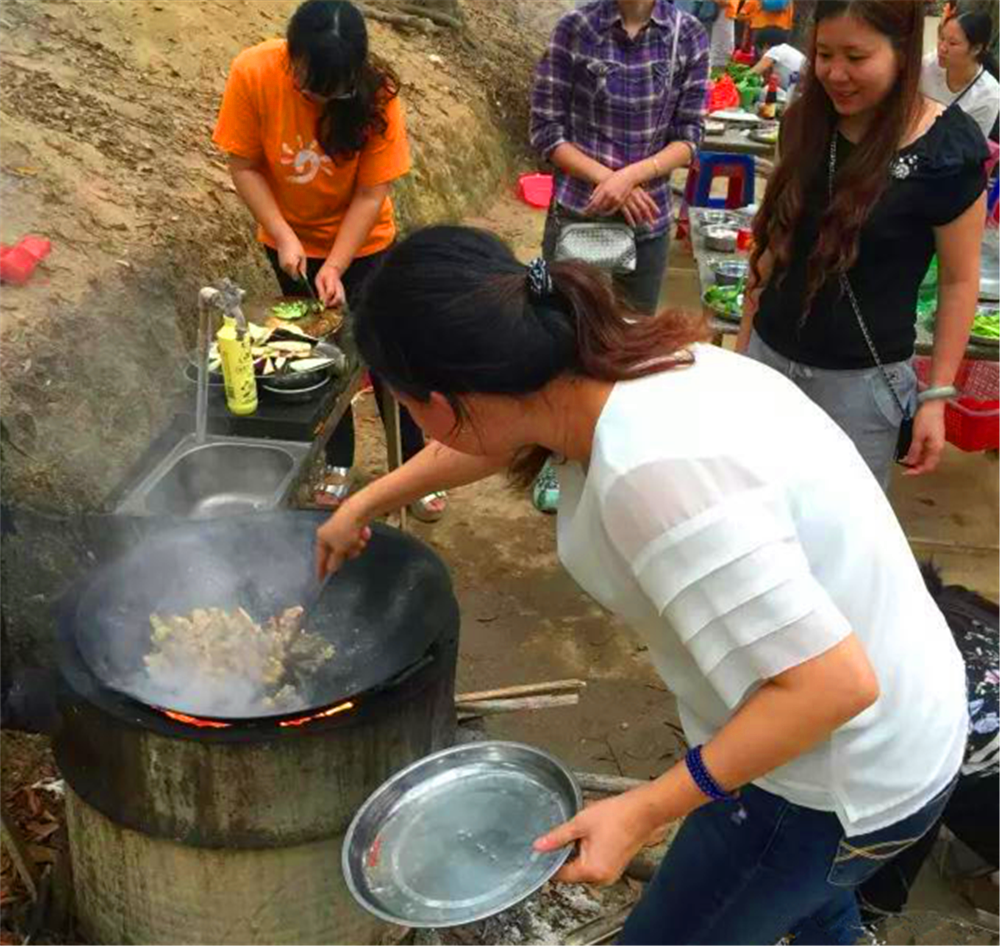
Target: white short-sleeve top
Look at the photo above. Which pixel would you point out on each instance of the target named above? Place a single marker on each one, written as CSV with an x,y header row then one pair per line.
x,y
736,528
981,100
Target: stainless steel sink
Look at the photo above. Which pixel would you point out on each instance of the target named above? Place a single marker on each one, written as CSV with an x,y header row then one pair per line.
x,y
223,476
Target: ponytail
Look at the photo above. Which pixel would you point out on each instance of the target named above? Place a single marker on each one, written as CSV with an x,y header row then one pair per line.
x,y
978,30
453,311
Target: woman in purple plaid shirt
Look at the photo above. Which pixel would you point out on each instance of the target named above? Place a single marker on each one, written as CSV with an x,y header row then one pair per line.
x,y
607,114
618,104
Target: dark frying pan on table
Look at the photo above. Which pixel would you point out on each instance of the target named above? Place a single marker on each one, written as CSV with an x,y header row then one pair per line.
x,y
381,611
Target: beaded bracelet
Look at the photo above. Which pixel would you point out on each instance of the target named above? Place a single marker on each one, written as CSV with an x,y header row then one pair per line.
x,y
708,786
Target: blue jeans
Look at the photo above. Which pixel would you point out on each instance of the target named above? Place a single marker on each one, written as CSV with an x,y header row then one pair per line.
x,y
785,869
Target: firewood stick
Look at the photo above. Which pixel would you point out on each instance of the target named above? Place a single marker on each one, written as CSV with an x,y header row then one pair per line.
x,y
18,851
953,546
607,784
524,689
492,707
596,931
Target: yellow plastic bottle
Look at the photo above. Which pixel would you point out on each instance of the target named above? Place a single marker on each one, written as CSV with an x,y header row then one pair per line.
x,y
237,367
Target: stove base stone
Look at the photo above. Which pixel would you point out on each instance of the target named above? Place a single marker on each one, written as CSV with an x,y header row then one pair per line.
x,y
133,888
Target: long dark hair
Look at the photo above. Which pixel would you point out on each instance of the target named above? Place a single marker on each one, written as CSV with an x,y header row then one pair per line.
x,y
328,48
450,311
805,144
978,31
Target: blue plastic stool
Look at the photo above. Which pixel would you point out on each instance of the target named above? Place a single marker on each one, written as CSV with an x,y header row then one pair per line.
x,y
708,165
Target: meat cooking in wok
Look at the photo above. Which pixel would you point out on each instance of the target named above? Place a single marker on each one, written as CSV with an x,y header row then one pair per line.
x,y
214,657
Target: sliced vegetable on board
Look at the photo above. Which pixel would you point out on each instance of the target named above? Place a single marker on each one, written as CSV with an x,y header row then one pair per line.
x,y
296,310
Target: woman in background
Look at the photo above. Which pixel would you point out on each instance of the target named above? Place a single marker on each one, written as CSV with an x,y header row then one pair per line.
x,y
617,106
962,70
873,180
770,20
313,129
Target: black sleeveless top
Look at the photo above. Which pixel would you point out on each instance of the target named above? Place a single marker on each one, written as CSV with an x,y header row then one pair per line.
x,y
934,180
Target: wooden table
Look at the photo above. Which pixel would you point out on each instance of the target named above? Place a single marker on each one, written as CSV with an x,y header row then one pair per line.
x,y
721,327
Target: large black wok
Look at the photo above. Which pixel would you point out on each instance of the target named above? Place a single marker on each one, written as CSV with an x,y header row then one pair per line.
x,y
381,612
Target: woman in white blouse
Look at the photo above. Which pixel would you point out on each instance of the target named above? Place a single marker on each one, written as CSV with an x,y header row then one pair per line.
x,y
959,71
715,508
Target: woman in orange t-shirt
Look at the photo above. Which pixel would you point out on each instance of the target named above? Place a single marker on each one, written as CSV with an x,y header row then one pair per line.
x,y
771,22
314,133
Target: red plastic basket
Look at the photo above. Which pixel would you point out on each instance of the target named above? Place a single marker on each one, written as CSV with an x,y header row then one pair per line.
x,y
972,420
535,189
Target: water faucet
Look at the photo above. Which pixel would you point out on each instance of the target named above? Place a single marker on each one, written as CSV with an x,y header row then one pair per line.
x,y
228,297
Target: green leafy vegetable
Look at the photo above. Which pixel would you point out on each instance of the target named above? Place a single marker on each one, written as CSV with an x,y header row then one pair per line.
x,y
987,323
296,310
726,300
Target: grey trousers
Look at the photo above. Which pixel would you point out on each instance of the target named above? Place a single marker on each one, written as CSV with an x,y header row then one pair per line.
x,y
859,401
640,288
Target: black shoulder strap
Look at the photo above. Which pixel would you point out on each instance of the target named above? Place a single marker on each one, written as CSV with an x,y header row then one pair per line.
x,y
961,95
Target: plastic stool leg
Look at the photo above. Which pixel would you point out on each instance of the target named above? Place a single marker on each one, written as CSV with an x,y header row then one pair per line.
x,y
735,190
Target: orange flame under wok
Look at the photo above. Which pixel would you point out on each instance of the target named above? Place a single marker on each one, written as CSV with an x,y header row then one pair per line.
x,y
298,721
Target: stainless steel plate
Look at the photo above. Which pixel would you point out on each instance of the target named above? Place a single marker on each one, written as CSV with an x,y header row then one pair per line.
x,y
449,839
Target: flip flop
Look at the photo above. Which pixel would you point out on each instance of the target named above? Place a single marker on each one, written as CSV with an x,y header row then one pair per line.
x,y
545,493
335,488
431,507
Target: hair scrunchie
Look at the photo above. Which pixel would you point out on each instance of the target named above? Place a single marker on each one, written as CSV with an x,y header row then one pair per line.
x,y
539,280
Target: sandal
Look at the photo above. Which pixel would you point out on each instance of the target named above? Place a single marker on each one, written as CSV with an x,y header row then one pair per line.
x,y
431,507
545,493
335,488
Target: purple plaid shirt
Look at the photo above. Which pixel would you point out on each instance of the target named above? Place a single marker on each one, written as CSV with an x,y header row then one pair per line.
x,y
607,94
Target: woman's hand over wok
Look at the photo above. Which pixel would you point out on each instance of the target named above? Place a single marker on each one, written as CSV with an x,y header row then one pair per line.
x,y
342,537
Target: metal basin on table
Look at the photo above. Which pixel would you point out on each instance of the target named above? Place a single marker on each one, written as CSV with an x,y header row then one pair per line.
x,y
223,476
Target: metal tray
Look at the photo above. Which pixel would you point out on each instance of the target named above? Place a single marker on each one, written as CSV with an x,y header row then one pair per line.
x,y
737,116
448,840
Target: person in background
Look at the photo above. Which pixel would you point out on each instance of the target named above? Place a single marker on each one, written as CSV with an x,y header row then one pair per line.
x,y
819,687
961,72
872,179
784,61
722,34
770,20
717,17
314,133
972,813
603,113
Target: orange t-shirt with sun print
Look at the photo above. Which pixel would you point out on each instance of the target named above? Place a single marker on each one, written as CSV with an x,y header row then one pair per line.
x,y
264,118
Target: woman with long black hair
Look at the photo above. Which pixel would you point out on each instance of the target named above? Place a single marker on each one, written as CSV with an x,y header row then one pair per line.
x,y
962,69
313,128
874,179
